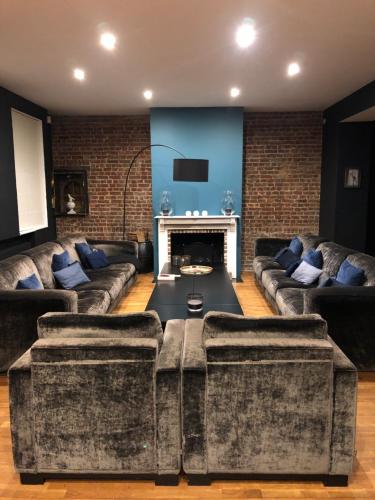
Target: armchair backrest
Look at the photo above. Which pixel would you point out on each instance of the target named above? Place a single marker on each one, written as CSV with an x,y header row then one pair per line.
x,y
94,404
75,325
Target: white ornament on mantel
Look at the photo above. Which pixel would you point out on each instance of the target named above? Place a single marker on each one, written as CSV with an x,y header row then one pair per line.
x,y
71,205
227,224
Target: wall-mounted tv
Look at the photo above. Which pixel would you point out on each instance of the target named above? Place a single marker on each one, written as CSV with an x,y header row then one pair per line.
x,y
190,170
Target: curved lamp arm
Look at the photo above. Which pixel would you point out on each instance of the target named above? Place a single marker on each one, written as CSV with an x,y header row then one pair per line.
x,y
134,159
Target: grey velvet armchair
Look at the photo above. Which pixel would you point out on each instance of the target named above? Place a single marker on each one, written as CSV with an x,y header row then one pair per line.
x,y
266,398
98,395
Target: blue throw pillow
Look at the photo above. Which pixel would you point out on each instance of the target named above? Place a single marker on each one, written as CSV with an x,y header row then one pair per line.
x,y
290,270
350,275
71,276
61,261
29,283
286,258
97,259
296,246
314,258
83,250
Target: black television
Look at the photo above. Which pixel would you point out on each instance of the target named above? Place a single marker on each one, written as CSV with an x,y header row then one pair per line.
x,y
190,170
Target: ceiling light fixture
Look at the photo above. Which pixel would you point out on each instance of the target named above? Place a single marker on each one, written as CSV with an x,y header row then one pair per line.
x,y
79,74
293,69
108,41
147,94
246,34
235,92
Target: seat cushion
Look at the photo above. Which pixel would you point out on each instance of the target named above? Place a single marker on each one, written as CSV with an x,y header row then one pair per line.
x,y
274,279
127,270
93,301
111,281
290,301
262,263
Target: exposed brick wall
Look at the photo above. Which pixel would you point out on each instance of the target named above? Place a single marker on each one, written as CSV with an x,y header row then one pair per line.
x,y
105,145
282,155
281,188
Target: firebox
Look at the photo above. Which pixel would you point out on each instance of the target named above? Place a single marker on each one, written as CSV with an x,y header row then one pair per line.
x,y
204,248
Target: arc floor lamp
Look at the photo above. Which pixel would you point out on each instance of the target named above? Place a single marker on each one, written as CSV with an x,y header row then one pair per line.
x,y
132,163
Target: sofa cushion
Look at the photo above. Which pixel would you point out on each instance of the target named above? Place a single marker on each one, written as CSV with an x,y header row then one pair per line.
x,y
262,263
310,241
93,301
112,282
333,256
227,325
290,301
69,242
29,283
274,279
124,271
365,262
14,269
42,256
116,261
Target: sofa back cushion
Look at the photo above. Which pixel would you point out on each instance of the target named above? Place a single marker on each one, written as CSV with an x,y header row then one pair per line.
x,y
67,325
333,256
310,241
14,269
226,325
42,256
69,243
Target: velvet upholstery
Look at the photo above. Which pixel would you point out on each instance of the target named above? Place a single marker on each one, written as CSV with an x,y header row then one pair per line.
x,y
68,243
261,263
98,405
42,256
349,311
101,295
266,404
19,311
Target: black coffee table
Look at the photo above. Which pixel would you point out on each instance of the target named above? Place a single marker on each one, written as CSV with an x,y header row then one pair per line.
x,y
169,297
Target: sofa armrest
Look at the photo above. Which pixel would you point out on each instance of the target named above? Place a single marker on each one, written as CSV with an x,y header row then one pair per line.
x,y
116,247
344,413
270,246
21,414
19,312
350,315
194,433
168,399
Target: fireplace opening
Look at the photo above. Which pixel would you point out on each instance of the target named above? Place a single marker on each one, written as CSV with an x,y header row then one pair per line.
x,y
204,248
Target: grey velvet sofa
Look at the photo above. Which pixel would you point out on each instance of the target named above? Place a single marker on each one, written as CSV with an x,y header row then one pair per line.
x,y
19,309
348,310
98,396
266,398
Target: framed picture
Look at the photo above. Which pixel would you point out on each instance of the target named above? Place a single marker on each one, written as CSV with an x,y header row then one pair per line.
x,y
352,178
70,193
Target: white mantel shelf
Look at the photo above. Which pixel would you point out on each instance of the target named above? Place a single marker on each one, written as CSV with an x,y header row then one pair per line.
x,y
226,222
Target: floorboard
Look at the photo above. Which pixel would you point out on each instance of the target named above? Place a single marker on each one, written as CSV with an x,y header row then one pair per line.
x,y
362,482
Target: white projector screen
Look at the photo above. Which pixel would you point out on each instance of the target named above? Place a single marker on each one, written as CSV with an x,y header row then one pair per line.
x,y
30,172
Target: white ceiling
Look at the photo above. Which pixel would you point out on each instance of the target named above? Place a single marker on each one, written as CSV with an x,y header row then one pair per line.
x,y
185,51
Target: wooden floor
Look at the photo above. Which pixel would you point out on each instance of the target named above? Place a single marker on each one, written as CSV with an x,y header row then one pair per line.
x,y
362,483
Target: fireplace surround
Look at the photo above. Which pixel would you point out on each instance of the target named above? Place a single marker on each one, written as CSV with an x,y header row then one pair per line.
x,y
225,226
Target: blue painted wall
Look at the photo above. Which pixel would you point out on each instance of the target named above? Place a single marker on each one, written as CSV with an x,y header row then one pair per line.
x,y
215,134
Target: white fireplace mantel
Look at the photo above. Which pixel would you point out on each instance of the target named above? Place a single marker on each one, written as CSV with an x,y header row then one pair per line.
x,y
227,224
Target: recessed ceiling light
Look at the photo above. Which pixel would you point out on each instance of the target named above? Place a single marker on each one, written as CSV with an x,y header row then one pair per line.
x,y
235,92
245,34
108,41
293,69
147,94
79,74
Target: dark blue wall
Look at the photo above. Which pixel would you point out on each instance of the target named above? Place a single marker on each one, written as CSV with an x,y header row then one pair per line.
x,y
215,134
